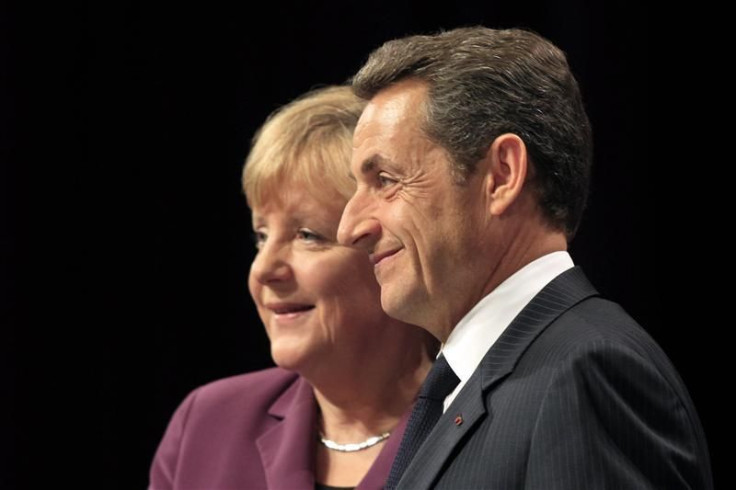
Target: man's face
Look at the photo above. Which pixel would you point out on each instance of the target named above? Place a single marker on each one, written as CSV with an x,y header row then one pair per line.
x,y
418,225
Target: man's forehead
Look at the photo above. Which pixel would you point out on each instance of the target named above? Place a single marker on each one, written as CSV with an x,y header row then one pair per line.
x,y
400,101
390,113
393,114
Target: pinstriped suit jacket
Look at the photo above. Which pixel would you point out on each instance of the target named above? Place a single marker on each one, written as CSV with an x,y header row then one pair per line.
x,y
573,395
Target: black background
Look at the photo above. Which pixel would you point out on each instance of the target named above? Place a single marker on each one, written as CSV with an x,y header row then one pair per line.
x,y
125,240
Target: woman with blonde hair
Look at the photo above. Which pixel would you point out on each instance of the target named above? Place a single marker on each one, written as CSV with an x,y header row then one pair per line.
x,y
332,414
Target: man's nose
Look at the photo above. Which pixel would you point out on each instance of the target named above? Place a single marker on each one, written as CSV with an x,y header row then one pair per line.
x,y
357,227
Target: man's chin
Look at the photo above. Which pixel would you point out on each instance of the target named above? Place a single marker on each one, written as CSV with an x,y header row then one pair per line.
x,y
396,303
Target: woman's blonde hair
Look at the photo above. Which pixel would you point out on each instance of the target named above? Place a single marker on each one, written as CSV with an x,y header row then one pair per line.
x,y
306,142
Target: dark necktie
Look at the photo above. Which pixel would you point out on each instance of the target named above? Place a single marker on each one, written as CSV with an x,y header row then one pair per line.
x,y
440,382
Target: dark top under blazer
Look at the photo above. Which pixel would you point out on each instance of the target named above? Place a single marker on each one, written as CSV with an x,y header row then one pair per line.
x,y
254,431
573,395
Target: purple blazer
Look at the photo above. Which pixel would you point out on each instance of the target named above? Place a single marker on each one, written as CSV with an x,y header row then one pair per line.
x,y
254,431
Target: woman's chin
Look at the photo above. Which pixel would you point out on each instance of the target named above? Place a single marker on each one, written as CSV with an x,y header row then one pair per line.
x,y
290,359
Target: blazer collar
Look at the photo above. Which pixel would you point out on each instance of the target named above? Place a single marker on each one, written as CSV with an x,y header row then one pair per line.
x,y
566,290
287,448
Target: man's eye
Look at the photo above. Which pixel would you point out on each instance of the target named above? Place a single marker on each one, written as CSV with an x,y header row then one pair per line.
x,y
385,181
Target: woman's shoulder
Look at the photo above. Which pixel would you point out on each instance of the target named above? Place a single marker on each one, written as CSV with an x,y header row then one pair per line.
x,y
217,426
266,384
257,379
241,400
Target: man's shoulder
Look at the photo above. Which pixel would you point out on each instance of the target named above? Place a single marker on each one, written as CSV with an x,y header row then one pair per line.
x,y
589,324
601,316
599,329
599,319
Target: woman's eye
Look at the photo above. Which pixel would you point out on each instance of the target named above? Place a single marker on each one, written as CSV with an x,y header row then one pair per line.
x,y
259,238
308,235
385,181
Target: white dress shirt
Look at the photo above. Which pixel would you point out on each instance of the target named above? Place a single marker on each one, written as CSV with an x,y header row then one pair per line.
x,y
483,325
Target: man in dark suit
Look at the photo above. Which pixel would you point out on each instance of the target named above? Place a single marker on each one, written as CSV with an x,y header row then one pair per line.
x,y
472,160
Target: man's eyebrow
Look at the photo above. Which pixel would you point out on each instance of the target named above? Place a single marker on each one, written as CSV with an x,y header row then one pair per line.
x,y
369,165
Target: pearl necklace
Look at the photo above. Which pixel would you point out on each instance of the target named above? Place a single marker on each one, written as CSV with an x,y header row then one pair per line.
x,y
351,448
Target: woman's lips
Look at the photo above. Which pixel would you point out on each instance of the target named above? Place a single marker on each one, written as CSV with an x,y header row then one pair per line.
x,y
289,311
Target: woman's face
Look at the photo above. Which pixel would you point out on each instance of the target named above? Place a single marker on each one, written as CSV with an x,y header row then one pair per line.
x,y
318,300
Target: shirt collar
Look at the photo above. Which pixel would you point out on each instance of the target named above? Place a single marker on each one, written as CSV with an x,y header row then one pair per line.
x,y
479,329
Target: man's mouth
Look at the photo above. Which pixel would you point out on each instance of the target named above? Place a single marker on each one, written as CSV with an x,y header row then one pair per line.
x,y
377,257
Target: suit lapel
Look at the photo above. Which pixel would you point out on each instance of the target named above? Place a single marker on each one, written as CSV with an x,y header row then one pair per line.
x,y
287,448
376,477
566,290
432,455
561,294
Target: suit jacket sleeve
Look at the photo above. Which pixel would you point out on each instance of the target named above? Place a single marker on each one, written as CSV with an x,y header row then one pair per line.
x,y
612,419
165,461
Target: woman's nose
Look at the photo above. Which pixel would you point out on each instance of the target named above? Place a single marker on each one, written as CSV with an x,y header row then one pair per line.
x,y
271,264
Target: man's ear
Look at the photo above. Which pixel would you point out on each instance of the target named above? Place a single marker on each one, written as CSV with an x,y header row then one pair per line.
x,y
506,167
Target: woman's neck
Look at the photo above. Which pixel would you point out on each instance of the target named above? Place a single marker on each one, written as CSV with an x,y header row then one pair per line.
x,y
357,405
369,401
